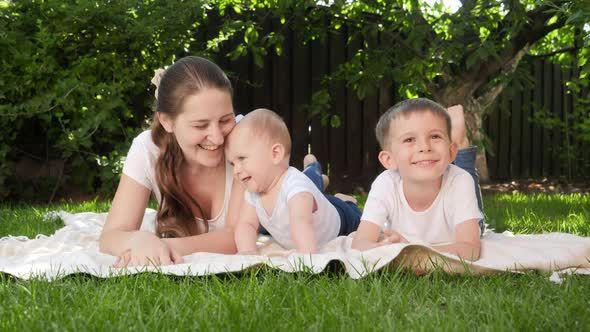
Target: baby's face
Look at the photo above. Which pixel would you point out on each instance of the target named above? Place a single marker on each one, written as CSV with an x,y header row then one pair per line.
x,y
420,146
251,157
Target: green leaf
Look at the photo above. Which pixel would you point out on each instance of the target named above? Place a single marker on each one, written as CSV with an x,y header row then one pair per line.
x,y
335,121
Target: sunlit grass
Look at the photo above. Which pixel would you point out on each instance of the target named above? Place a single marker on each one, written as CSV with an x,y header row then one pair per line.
x,y
539,213
266,299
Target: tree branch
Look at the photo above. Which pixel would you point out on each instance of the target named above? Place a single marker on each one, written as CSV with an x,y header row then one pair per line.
x,y
531,32
563,50
487,98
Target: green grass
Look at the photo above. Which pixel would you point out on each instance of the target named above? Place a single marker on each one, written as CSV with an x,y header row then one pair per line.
x,y
539,213
272,300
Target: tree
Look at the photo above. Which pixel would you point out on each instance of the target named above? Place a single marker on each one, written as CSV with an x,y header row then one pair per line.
x,y
74,89
465,57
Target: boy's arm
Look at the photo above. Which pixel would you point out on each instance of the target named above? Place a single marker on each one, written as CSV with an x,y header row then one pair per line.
x,y
468,243
375,214
247,230
301,207
464,213
366,236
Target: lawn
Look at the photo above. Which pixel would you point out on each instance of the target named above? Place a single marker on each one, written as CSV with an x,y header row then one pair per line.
x,y
272,300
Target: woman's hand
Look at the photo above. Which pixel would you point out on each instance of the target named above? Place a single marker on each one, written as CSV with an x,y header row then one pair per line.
x,y
147,249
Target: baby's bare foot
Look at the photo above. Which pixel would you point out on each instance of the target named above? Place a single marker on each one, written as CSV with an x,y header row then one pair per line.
x,y
326,181
309,159
458,131
346,198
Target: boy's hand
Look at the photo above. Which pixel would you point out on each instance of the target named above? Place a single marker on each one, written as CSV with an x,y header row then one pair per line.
x,y
391,236
367,236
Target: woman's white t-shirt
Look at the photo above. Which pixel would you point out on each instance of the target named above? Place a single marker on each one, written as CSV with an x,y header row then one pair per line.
x,y
140,165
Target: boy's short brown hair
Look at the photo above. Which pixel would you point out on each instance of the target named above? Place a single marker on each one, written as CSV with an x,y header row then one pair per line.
x,y
407,107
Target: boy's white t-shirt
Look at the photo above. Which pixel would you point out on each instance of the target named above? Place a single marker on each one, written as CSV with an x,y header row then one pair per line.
x,y
456,202
326,220
140,165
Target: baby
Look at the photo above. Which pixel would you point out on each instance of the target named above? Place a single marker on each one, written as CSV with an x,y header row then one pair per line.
x,y
421,196
285,201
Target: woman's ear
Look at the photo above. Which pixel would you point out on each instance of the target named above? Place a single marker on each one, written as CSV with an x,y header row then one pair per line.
x,y
165,121
387,160
278,153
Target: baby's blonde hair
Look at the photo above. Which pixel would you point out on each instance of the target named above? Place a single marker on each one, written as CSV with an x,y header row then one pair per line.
x,y
268,125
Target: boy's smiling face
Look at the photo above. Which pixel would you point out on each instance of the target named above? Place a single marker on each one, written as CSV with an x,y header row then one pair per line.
x,y
419,147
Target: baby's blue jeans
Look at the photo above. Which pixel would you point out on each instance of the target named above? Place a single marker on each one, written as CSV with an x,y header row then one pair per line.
x,y
349,212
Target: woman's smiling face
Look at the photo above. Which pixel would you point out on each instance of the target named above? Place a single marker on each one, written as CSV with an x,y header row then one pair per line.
x,y
205,120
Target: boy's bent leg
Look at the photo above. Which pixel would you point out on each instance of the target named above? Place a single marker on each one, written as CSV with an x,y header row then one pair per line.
x,y
466,160
349,212
314,173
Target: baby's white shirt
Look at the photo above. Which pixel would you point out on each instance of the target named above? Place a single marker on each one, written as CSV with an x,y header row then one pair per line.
x,y
140,165
455,203
326,220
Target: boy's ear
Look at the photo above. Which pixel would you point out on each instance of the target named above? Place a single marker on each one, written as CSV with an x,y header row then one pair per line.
x,y
165,121
387,160
453,149
278,153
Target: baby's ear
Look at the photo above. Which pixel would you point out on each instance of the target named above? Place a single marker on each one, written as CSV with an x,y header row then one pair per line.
x,y
387,160
278,152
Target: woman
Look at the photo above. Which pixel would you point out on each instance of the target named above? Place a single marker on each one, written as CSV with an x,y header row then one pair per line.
x,y
181,160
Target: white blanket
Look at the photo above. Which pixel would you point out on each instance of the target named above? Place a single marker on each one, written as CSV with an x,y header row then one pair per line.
x,y
74,249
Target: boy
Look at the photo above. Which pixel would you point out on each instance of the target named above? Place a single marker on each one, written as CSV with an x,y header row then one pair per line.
x,y
284,200
421,197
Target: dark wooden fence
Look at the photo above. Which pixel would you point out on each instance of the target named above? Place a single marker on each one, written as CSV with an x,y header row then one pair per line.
x,y
285,85
519,147
522,147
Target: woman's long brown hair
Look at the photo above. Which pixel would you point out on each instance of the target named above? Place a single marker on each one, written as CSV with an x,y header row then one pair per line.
x,y
186,77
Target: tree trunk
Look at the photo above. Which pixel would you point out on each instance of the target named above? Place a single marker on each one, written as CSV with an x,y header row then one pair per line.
x,y
474,122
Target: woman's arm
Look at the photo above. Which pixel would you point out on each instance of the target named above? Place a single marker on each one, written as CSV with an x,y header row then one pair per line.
x,y
124,217
221,241
121,236
468,244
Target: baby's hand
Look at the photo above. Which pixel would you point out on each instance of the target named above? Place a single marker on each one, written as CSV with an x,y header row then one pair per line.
x,y
391,236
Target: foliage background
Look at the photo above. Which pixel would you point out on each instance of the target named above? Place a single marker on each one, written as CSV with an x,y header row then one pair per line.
x,y
75,82
74,86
